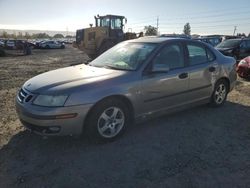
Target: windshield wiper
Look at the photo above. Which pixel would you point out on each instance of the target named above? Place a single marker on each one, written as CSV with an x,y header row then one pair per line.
x,y
115,68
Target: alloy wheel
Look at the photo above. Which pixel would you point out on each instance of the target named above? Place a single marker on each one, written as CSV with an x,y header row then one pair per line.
x,y
220,93
111,122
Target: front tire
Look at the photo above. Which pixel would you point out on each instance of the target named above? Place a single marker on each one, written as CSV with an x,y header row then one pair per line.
x,y
220,92
107,121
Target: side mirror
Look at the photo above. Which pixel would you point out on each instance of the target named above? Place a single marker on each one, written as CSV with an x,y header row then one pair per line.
x,y
160,68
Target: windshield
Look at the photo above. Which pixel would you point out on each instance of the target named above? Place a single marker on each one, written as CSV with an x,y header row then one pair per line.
x,y
124,56
228,44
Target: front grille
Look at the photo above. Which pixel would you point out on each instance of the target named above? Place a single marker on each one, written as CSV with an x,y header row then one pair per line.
x,y
24,96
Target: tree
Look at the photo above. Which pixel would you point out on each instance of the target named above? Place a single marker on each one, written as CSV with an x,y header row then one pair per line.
x,y
69,36
5,34
58,36
187,29
27,35
20,35
248,35
13,35
40,36
150,30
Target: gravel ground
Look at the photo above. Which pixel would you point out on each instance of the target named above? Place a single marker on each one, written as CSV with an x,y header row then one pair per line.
x,y
199,147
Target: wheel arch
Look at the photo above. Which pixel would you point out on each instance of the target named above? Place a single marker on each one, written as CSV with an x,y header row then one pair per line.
x,y
126,101
225,79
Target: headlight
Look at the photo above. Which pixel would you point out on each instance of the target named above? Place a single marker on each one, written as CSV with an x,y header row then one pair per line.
x,y
243,62
50,100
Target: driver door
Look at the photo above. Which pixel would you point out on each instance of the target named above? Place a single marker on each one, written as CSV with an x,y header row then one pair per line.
x,y
163,89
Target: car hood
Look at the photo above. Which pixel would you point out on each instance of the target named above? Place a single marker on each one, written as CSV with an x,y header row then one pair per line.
x,y
69,77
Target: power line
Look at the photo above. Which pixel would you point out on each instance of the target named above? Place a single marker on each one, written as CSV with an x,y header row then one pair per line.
x,y
212,26
157,24
217,12
205,22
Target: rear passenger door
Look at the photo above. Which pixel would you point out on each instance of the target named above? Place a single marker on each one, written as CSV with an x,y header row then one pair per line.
x,y
202,67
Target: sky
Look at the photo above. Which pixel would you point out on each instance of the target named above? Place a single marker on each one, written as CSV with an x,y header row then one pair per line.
x,y
205,17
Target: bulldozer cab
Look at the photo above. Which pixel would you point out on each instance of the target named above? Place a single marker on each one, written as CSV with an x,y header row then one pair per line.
x,y
114,24
108,31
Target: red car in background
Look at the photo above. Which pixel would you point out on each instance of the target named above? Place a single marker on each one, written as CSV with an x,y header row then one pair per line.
x,y
243,68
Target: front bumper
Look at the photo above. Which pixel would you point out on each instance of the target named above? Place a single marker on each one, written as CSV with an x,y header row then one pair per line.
x,y
53,121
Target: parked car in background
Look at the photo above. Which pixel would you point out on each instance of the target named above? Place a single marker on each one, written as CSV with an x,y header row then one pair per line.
x,y
2,52
243,68
214,41
2,44
183,36
51,45
237,48
15,47
133,80
10,44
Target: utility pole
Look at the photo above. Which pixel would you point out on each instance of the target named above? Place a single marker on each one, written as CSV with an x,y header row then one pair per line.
x,y
235,28
157,25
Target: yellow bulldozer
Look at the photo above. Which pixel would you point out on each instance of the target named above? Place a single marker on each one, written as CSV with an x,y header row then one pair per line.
x,y
107,32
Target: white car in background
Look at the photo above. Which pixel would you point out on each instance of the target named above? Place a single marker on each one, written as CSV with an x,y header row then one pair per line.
x,y
1,43
51,44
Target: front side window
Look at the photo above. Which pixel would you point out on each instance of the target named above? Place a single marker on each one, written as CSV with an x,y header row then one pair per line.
x,y
172,55
196,54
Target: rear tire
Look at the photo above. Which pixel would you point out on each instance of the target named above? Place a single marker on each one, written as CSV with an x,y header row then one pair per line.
x,y
107,121
220,92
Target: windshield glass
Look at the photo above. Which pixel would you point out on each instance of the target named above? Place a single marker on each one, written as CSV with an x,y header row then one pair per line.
x,y
124,56
228,44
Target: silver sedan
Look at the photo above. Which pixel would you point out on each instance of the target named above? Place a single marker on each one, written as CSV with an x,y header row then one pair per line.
x,y
134,80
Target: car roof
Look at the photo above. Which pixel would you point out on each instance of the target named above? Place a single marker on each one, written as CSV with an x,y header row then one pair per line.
x,y
238,39
157,39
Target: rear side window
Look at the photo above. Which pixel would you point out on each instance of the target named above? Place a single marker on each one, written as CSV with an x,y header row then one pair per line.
x,y
197,54
210,55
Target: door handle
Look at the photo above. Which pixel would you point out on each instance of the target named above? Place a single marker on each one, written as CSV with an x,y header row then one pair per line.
x,y
212,69
183,75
